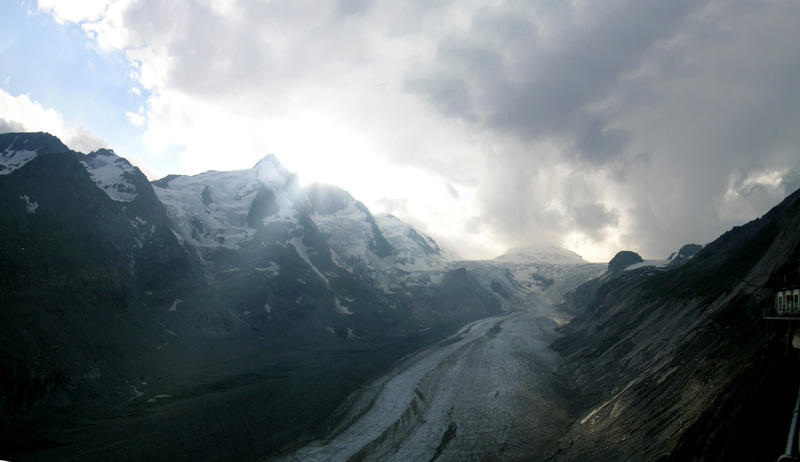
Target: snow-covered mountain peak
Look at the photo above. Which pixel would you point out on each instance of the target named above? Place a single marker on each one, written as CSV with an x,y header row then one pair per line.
x,y
269,159
214,209
544,254
112,174
271,173
210,209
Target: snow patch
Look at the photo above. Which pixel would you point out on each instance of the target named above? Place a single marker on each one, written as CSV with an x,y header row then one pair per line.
x,y
267,308
136,393
174,306
29,206
646,263
271,270
436,278
12,160
302,251
341,309
111,173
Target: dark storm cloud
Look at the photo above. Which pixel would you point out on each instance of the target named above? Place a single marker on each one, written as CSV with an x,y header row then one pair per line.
x,y
507,74
591,218
352,7
656,108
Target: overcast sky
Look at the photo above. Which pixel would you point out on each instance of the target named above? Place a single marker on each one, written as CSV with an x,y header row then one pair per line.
x,y
592,125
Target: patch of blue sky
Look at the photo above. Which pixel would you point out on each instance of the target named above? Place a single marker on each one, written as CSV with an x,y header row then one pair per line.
x,y
59,67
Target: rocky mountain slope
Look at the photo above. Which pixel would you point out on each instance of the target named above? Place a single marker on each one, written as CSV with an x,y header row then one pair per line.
x,y
677,364
223,314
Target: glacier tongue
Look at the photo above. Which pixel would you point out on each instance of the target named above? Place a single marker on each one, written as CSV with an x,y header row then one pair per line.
x,y
482,392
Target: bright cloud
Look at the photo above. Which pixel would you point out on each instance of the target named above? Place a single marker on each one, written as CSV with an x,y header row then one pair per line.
x,y
20,113
29,114
85,10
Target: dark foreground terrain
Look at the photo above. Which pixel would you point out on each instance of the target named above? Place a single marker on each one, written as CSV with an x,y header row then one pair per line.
x,y
249,411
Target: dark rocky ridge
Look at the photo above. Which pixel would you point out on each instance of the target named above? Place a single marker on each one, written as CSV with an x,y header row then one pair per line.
x,y
623,260
680,366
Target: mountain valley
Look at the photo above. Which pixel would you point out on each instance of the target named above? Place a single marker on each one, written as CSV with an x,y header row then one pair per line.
x,y
134,309
241,315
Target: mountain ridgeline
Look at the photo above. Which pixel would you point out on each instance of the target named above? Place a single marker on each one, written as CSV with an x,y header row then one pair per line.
x,y
228,315
229,312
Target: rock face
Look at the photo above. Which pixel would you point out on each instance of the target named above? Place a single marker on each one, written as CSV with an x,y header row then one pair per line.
x,y
83,275
678,364
623,260
685,253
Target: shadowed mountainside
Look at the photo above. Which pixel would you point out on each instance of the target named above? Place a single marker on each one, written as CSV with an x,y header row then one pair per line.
x,y
678,365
